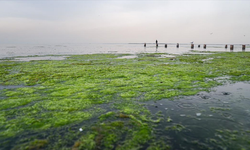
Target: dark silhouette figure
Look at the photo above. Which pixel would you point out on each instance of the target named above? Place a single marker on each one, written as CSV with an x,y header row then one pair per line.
x,y
204,46
231,47
156,42
192,46
243,47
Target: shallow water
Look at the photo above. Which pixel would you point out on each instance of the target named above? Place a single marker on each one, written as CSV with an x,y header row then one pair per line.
x,y
72,49
10,86
40,58
207,117
127,57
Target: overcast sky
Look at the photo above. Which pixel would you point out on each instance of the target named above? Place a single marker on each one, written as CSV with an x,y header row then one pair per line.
x,y
100,21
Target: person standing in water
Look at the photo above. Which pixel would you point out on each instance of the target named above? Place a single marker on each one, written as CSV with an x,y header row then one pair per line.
x,y
156,42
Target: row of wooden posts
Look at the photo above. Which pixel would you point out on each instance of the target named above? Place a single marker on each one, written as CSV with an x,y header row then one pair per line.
x,y
204,46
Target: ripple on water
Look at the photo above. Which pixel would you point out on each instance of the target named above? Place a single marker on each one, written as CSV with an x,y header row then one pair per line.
x,y
215,122
227,115
186,105
193,132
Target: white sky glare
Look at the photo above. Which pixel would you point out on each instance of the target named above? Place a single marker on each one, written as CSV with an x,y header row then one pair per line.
x,y
82,21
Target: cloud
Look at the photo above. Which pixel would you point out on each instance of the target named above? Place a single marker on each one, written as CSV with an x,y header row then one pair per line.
x,y
124,21
45,10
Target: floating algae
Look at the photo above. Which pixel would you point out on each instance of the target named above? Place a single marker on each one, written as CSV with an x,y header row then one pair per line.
x,y
51,100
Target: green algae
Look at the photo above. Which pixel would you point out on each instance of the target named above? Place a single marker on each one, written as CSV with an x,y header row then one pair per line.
x,y
176,127
107,115
169,119
36,144
159,145
41,122
214,109
87,87
233,139
111,135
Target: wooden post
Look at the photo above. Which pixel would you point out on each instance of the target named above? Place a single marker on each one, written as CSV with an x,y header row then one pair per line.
x,y
192,46
199,46
144,44
243,47
166,45
225,46
204,46
177,45
231,47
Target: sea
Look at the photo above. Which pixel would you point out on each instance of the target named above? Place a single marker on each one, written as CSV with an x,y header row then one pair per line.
x,y
15,50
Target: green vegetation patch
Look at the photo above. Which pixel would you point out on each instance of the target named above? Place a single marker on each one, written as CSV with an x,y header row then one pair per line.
x,y
100,89
235,139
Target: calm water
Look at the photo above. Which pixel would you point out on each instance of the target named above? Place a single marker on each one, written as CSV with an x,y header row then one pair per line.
x,y
218,120
69,49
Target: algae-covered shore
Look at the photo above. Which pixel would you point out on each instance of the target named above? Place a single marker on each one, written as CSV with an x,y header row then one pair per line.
x,y
100,101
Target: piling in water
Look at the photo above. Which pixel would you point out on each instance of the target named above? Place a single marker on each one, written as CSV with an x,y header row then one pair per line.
x,y
192,46
144,44
199,46
225,46
204,46
177,45
231,47
243,47
166,45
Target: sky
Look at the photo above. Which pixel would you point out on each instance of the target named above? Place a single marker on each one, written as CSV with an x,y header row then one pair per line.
x,y
117,21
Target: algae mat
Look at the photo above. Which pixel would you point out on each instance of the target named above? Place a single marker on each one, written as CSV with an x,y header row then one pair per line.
x,y
146,102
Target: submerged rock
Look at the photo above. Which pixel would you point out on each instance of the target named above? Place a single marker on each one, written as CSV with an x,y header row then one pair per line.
x,y
226,93
205,96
